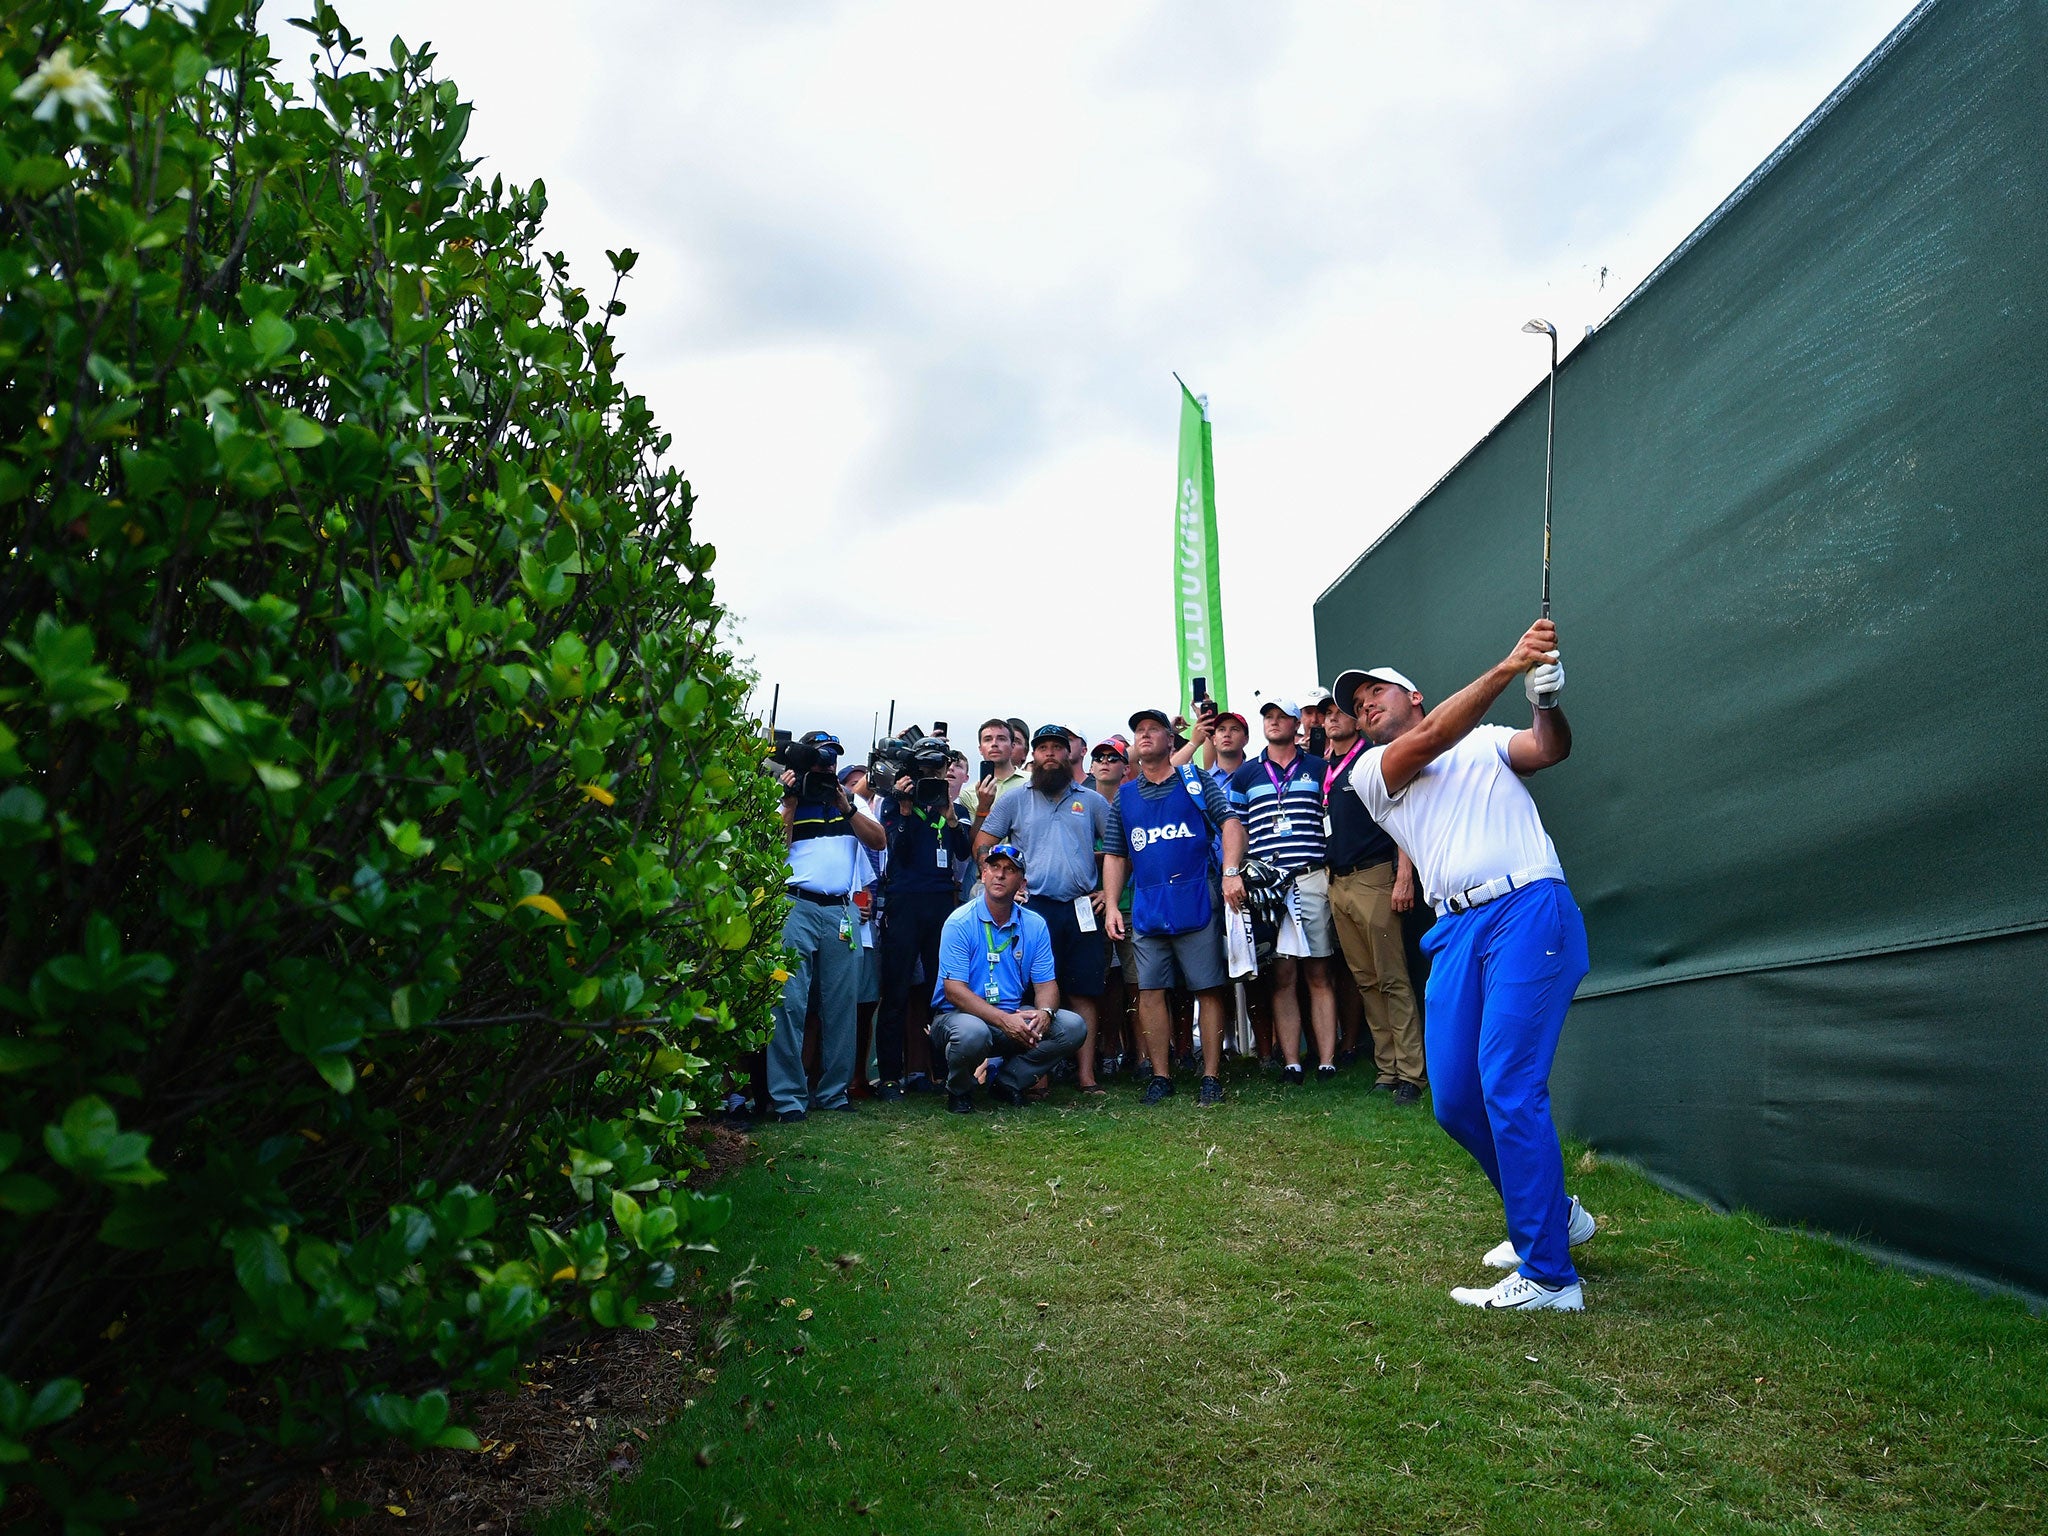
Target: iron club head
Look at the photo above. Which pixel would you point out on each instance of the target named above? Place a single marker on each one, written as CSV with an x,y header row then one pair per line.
x,y
1540,328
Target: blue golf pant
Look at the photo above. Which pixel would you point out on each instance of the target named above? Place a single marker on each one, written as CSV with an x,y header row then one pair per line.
x,y
811,935
1501,977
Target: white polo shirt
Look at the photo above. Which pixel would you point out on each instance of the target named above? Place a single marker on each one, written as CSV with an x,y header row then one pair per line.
x,y
1465,819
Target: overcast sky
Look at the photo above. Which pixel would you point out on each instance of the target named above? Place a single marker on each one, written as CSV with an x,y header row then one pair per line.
x,y
915,277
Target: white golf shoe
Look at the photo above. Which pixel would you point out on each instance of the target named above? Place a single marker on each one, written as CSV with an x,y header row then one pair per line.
x,y
1518,1293
1580,1228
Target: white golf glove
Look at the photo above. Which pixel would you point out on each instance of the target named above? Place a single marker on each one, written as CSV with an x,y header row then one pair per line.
x,y
1547,679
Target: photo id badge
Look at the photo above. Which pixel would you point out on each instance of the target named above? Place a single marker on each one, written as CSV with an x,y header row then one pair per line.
x,y
1328,830
944,862
1283,826
845,926
1084,913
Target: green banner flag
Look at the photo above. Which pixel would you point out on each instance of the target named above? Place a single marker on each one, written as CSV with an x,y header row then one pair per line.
x,y
1197,563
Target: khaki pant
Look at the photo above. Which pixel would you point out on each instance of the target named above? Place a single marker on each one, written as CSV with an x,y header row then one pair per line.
x,y
1369,933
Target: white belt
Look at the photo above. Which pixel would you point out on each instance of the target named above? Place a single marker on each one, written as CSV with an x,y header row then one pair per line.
x,y
1479,895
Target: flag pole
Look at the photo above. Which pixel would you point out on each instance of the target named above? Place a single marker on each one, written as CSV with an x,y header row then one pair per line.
x,y
1197,556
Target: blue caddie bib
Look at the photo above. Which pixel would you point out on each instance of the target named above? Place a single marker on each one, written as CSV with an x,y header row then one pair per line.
x,y
1168,842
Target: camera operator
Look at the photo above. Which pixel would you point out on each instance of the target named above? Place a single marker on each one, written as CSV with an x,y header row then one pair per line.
x,y
928,844
829,839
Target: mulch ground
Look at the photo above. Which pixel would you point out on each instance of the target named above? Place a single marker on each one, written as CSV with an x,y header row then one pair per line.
x,y
583,1417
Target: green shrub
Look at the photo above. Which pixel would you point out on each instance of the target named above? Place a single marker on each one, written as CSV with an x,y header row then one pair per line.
x,y
382,835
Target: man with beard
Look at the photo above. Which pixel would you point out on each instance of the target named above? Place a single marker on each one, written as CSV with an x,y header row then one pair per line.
x,y
1059,824
1509,945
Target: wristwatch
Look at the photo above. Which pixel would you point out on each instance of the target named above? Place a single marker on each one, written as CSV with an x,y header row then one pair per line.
x,y
1232,871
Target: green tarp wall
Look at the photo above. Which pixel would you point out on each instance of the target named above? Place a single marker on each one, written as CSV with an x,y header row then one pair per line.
x,y
1801,577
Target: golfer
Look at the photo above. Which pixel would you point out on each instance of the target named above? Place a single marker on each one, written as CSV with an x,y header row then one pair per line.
x,y
1508,949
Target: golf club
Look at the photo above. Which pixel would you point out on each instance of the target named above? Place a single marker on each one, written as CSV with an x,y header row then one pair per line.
x,y
1545,328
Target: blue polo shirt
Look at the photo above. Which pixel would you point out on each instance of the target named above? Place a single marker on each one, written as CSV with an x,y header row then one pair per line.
x,y
973,947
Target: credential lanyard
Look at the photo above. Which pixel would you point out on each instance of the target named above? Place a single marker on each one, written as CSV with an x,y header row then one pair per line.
x,y
993,990
1280,782
1337,772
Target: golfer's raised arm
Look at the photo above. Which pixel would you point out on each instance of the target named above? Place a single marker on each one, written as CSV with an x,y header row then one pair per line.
x,y
1546,743
1451,721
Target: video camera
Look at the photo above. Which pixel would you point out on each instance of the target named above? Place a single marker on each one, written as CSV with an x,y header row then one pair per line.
x,y
814,760
915,756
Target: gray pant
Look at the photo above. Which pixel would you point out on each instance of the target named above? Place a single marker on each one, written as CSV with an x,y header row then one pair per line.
x,y
1195,959
966,1042
811,935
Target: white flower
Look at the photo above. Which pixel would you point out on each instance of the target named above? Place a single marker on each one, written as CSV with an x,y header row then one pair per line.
x,y
61,83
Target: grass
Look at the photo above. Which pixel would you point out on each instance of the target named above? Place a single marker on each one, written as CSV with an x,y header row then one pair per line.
x,y
1091,1316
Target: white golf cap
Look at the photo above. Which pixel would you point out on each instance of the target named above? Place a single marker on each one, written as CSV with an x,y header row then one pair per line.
x,y
1347,684
1285,706
1319,695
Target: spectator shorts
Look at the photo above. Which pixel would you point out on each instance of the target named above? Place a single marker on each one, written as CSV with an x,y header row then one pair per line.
x,y
1079,960
1196,958
1312,905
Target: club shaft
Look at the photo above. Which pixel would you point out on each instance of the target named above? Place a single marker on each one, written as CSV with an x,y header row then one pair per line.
x,y
1549,446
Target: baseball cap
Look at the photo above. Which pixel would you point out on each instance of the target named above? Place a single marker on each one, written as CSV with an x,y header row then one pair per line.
x,y
1151,714
846,774
1347,684
1008,851
1050,733
1318,695
1231,714
1109,748
824,741
1285,706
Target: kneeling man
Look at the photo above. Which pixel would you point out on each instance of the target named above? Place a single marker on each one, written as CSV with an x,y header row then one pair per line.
x,y
1508,949
993,954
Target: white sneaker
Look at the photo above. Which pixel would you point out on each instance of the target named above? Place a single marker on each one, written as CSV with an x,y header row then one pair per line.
x,y
1518,1293
1579,1229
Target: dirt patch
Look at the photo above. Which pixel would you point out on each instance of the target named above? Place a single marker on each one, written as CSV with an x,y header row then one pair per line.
x,y
585,1415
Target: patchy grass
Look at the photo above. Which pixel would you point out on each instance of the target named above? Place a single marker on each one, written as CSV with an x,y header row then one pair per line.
x,y
1091,1316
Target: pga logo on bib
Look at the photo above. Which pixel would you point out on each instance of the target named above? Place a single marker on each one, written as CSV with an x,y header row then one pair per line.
x,y
1143,837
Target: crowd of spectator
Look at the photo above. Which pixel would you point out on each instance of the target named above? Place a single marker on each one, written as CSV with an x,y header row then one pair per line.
x,y
1055,916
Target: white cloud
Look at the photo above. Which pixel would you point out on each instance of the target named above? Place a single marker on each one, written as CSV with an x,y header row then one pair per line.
x,y
915,274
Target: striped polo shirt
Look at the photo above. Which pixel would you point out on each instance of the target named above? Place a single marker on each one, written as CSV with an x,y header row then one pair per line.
x,y
1295,801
